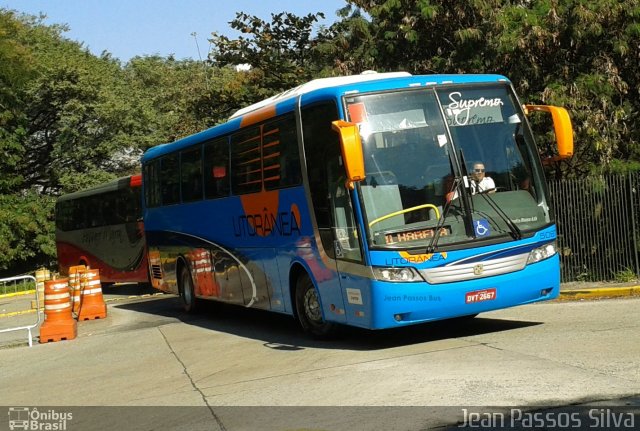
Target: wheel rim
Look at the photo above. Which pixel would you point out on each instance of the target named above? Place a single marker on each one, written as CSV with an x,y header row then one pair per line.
x,y
312,306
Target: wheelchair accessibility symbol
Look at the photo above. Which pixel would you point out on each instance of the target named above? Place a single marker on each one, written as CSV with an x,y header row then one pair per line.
x,y
481,227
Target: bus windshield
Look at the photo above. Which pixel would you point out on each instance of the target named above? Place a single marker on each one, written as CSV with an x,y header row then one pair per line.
x,y
457,163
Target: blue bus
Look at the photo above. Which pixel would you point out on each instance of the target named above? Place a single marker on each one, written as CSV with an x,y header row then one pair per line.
x,y
376,200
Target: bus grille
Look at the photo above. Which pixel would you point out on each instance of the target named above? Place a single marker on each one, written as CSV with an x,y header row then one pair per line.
x,y
156,272
475,270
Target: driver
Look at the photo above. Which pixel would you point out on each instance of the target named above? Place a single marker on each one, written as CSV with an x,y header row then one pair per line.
x,y
481,183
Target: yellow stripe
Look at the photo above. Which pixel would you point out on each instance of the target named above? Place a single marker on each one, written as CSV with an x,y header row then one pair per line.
x,y
604,292
24,292
17,313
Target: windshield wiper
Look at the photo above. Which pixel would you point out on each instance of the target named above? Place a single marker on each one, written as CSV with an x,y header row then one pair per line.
x,y
464,197
445,211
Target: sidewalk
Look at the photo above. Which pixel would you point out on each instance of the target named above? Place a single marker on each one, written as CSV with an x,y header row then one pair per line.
x,y
599,290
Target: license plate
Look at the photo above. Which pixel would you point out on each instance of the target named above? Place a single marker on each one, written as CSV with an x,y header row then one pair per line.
x,y
480,295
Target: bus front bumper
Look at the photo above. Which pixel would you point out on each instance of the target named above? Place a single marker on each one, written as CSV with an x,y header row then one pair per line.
x,y
399,304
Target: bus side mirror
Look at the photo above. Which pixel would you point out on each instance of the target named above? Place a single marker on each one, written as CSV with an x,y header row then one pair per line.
x,y
561,126
351,146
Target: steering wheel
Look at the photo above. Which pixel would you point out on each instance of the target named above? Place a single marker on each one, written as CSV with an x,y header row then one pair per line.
x,y
404,211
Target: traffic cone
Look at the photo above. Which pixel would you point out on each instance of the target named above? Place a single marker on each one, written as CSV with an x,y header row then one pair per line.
x,y
58,324
92,304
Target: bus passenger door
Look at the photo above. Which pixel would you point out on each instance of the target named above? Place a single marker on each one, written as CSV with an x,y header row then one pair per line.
x,y
354,283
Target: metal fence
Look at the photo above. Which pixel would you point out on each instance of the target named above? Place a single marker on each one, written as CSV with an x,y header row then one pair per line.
x,y
17,313
598,227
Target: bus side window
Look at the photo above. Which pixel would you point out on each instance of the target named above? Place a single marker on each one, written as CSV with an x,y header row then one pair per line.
x,y
169,179
151,184
191,175
246,161
281,161
216,169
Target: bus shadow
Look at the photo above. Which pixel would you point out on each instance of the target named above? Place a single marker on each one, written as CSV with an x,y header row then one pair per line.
x,y
128,289
282,332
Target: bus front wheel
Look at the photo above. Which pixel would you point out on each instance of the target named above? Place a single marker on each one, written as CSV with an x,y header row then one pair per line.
x,y
187,292
309,310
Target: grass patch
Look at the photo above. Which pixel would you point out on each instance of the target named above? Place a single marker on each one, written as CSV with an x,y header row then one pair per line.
x,y
12,287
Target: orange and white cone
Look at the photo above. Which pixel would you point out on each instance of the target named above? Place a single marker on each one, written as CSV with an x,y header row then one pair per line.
x,y
92,305
58,324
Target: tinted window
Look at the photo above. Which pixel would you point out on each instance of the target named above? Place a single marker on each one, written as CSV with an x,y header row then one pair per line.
x,y
322,149
191,175
216,169
151,183
246,162
169,179
104,209
281,162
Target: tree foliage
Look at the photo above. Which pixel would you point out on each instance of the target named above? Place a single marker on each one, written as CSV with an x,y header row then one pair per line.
x,y
279,52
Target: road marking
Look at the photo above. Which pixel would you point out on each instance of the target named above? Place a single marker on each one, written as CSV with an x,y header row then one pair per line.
x,y
24,292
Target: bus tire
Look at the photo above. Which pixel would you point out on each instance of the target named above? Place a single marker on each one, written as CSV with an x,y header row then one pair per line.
x,y
187,291
309,310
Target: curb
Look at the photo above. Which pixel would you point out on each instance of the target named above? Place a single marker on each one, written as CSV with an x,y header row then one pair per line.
x,y
598,293
20,293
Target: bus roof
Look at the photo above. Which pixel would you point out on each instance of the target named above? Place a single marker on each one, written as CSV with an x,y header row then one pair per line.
x,y
317,84
120,183
324,88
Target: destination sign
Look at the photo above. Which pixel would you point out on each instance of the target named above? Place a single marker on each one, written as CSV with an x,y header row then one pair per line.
x,y
414,235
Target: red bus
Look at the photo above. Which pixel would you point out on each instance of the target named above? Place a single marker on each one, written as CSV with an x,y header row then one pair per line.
x,y
102,228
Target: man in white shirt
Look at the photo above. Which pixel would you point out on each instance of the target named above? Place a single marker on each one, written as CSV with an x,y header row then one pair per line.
x,y
481,183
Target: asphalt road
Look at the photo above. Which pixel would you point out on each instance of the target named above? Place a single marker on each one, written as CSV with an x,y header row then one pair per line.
x,y
149,353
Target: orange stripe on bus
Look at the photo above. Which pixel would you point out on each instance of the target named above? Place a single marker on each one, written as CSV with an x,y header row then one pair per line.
x,y
248,162
258,115
248,183
250,150
271,132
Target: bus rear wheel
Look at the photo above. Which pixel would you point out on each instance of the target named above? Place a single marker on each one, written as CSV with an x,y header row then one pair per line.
x,y
309,310
187,292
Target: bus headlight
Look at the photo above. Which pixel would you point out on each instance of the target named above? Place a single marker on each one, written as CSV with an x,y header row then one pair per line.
x,y
542,252
397,275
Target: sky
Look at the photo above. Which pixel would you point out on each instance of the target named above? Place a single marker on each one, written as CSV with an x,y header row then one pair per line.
x,y
127,28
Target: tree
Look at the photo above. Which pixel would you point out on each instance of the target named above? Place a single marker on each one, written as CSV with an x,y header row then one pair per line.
x,y
347,46
66,124
15,72
165,92
280,52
